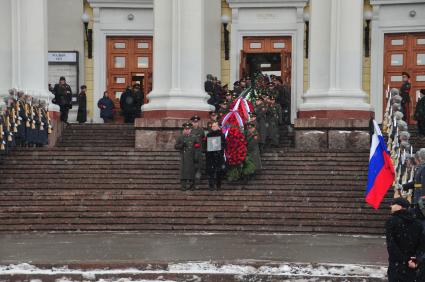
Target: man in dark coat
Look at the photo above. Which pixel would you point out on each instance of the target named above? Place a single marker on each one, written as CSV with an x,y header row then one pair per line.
x,y
403,236
82,105
140,99
209,84
420,113
405,94
63,98
419,212
215,163
106,107
128,105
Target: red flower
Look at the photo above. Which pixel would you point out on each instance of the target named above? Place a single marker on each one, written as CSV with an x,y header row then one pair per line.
x,y
197,145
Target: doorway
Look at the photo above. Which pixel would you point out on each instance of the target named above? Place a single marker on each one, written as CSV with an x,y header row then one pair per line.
x,y
405,52
129,62
270,55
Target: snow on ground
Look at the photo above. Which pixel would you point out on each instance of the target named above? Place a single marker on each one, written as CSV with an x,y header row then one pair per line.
x,y
294,270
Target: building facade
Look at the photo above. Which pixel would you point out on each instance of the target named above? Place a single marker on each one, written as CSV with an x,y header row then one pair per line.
x,y
338,57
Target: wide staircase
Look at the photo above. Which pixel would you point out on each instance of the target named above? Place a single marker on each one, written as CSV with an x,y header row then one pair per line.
x,y
416,140
95,180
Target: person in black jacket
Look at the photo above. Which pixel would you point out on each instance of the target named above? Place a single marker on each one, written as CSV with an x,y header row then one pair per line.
x,y
215,163
128,105
63,98
403,236
419,213
82,105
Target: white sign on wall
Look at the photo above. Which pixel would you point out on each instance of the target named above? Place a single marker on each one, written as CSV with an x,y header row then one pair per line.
x,y
64,57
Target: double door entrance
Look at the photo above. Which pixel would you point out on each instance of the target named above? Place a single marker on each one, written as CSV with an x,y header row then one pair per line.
x,y
129,62
270,55
405,52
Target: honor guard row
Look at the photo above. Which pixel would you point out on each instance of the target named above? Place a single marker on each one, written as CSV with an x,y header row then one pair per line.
x,y
24,122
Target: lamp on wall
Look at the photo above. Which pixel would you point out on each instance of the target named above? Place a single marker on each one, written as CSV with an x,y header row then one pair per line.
x,y
306,17
225,19
368,14
85,18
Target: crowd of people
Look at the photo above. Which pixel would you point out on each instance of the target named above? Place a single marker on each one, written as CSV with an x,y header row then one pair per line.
x,y
24,122
405,229
244,123
131,102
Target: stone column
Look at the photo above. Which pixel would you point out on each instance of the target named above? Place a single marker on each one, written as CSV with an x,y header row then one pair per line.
x,y
336,59
29,48
179,71
5,48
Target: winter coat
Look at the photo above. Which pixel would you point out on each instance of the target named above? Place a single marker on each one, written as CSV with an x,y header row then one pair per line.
x,y
403,236
128,102
215,159
186,145
63,95
82,107
106,108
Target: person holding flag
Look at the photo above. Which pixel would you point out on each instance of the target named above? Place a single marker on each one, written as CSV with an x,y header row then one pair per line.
x,y
381,171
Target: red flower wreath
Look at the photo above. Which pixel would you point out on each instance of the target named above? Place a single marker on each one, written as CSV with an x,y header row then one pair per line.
x,y
235,146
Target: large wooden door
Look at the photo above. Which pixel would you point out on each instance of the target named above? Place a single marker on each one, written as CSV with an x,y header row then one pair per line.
x,y
405,52
268,45
129,61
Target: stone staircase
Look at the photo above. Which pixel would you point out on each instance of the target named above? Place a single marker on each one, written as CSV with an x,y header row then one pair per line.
x,y
416,141
96,181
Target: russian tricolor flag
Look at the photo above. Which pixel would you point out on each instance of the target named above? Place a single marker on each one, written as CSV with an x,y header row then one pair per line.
x,y
381,171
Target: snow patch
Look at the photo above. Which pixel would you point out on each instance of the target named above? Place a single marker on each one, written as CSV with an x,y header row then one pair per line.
x,y
283,269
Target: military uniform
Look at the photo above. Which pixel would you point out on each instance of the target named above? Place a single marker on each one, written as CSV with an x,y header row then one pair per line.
x,y
199,134
418,184
405,95
253,147
262,124
63,98
274,118
185,143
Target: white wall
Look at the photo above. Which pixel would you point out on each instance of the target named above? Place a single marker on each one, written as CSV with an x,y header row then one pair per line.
x,y
66,30
5,47
212,37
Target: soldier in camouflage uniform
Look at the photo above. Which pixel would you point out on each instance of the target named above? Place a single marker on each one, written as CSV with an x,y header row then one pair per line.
x,y
274,118
185,143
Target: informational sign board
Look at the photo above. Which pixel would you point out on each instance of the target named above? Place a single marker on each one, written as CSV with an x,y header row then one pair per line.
x,y
64,64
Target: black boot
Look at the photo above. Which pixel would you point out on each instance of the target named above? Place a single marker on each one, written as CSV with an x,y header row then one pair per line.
x,y
211,184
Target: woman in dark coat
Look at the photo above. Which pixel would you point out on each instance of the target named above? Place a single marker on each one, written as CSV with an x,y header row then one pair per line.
x,y
215,163
82,105
106,107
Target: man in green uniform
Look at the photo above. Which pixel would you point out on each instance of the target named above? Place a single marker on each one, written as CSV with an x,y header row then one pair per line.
x,y
252,146
199,134
261,120
185,143
274,118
